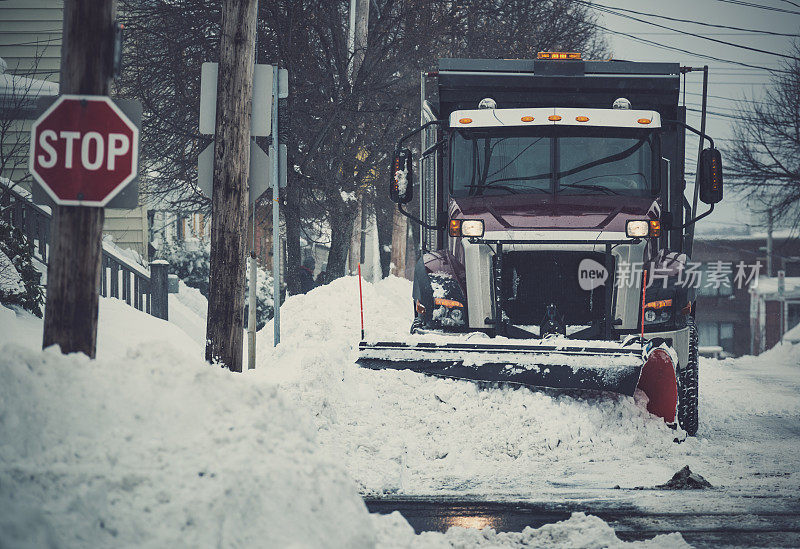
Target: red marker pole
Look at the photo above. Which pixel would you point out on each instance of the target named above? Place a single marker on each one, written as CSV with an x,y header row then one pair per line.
x,y
361,301
644,286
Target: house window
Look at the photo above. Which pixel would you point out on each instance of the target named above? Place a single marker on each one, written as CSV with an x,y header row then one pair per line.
x,y
716,334
792,314
716,279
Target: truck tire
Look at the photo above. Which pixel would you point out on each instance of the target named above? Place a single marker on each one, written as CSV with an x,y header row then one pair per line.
x,y
688,386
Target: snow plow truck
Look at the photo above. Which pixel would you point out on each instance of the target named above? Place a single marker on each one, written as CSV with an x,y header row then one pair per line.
x,y
555,228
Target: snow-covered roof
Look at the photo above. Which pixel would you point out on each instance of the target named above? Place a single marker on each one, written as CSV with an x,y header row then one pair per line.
x,y
21,86
767,286
793,335
778,234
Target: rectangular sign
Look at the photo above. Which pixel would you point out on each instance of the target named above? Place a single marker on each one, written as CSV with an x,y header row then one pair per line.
x,y
261,120
260,170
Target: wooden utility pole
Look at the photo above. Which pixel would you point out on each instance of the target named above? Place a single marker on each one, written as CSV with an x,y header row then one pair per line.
x,y
230,191
73,273
357,48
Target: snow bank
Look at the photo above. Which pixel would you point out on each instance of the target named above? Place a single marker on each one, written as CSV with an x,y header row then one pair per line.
x,y
149,446
579,531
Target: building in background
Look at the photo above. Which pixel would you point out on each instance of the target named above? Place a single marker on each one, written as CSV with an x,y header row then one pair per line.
x,y
30,48
724,310
774,310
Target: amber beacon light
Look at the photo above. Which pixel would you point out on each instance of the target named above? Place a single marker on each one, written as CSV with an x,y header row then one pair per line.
x,y
558,55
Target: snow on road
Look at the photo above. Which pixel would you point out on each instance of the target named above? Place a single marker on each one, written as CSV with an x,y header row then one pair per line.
x,y
399,432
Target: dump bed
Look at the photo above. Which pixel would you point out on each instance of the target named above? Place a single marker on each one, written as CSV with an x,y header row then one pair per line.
x,y
462,83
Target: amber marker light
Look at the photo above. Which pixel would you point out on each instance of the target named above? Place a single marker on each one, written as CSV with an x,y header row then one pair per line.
x,y
455,227
644,121
582,118
655,227
527,119
466,120
449,303
554,118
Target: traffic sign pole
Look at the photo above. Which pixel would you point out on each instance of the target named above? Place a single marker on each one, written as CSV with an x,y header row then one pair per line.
x,y
276,229
73,280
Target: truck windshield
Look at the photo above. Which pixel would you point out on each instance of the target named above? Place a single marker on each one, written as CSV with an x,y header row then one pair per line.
x,y
571,161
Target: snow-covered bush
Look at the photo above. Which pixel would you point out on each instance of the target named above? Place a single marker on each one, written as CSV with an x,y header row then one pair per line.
x,y
19,280
191,260
265,306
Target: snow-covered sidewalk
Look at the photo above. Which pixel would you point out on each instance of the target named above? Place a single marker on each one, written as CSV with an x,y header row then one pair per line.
x,y
403,433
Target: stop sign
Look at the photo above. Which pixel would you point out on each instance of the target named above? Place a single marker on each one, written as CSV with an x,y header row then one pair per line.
x,y
84,150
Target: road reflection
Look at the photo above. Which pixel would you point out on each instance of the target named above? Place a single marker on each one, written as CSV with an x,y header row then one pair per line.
x,y
476,521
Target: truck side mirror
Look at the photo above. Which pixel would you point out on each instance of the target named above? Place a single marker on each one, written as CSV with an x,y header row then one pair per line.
x,y
710,176
667,221
401,187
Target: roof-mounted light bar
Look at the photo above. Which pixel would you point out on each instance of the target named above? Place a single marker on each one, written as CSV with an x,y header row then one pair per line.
x,y
558,55
555,116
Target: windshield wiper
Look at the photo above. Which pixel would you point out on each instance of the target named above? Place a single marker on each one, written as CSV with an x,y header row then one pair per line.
x,y
504,187
515,190
600,188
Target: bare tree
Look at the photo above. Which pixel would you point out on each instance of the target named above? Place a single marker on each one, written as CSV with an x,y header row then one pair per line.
x,y
19,93
763,161
341,128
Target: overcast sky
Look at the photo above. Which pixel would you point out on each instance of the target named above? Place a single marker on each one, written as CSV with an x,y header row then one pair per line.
x,y
728,81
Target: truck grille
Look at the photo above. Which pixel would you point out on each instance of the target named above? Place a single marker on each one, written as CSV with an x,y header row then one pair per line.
x,y
530,281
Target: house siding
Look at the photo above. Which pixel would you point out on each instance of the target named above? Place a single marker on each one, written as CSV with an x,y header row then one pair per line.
x,y
30,44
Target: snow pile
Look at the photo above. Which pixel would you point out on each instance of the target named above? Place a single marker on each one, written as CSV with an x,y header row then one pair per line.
x,y
402,432
579,531
148,446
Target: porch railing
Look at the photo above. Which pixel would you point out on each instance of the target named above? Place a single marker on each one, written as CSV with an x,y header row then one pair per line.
x,y
121,278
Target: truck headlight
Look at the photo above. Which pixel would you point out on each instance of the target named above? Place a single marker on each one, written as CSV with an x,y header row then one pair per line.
x,y
472,227
658,311
636,228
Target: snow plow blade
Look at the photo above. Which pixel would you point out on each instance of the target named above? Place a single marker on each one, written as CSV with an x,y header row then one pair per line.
x,y
558,366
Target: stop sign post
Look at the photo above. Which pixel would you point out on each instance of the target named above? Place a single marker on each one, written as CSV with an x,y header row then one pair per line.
x,y
84,150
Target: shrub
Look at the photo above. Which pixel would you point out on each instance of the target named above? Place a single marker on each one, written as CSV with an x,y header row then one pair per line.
x,y
20,281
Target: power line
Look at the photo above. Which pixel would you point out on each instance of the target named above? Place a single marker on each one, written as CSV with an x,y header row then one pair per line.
x,y
655,33
731,98
612,11
763,84
701,23
701,55
751,5
714,113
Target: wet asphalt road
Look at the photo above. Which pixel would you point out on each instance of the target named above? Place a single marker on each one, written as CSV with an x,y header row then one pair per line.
x,y
765,528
